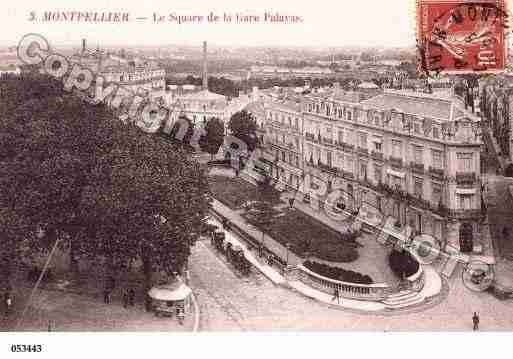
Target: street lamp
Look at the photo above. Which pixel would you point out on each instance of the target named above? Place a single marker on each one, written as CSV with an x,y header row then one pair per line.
x,y
287,245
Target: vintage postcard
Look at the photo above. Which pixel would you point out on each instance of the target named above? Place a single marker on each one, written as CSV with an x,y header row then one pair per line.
x,y
269,166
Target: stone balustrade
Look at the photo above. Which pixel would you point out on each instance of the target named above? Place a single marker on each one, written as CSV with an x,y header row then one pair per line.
x,y
374,292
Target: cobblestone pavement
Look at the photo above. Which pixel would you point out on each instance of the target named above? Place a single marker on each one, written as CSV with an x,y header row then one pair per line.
x,y
230,302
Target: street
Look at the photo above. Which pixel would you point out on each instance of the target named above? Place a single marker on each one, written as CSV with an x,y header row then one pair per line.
x,y
230,302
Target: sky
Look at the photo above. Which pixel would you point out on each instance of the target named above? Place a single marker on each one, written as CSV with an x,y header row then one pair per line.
x,y
324,23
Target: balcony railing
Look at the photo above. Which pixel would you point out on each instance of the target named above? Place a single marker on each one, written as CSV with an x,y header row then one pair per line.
x,y
362,151
310,137
466,213
329,141
417,167
345,146
377,155
436,172
327,168
465,177
396,161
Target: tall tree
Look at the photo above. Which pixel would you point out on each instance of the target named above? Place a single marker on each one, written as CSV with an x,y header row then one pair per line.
x,y
214,137
243,126
105,189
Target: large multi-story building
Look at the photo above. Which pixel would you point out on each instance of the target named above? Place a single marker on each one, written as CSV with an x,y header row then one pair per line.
x,y
496,104
413,156
284,147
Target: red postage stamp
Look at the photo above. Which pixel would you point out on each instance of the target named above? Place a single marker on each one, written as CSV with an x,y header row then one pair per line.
x,y
458,36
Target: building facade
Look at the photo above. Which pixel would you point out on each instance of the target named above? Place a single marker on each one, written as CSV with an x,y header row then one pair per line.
x,y
411,156
284,141
495,107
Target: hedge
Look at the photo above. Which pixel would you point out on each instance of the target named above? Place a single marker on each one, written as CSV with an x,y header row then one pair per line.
x,y
402,263
337,273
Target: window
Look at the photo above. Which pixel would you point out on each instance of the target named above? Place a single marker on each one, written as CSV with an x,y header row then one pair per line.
x,y
290,121
416,127
465,201
348,116
349,164
328,129
465,162
363,171
417,154
378,173
417,187
378,147
296,124
340,136
328,159
436,159
397,149
349,137
283,156
436,193
291,158
436,133
363,140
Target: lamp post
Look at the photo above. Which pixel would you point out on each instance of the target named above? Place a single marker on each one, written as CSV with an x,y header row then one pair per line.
x,y
287,245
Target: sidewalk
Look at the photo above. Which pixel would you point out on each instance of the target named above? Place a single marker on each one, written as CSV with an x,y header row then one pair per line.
x,y
54,310
268,242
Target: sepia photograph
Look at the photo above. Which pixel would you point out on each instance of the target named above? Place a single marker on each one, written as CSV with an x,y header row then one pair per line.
x,y
210,169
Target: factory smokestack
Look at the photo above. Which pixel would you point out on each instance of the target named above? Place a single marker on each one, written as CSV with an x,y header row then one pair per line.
x,y
205,75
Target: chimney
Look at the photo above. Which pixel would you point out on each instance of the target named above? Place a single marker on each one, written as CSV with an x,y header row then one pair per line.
x,y
205,75
83,46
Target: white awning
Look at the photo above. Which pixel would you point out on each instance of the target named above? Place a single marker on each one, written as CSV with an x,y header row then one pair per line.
x,y
395,173
465,190
170,292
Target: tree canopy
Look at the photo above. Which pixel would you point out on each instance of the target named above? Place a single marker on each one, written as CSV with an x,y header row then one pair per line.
x,y
105,188
243,126
214,137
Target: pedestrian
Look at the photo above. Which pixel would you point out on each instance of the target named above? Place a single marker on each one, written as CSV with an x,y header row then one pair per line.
x,y
475,320
8,304
291,202
336,295
125,299
131,297
106,296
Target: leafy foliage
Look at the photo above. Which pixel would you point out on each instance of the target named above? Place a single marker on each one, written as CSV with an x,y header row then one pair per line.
x,y
214,137
337,273
102,187
243,126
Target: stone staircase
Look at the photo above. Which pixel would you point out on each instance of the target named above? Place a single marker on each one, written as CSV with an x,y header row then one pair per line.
x,y
403,299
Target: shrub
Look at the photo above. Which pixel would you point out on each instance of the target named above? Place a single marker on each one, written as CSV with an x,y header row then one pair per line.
x,y
402,263
337,273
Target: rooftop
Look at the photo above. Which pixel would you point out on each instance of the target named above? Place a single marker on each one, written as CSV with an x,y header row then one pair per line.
x,y
413,103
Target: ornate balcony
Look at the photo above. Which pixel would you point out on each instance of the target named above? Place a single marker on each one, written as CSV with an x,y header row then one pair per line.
x,y
436,172
362,151
395,161
328,141
465,178
311,137
417,167
466,213
377,155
